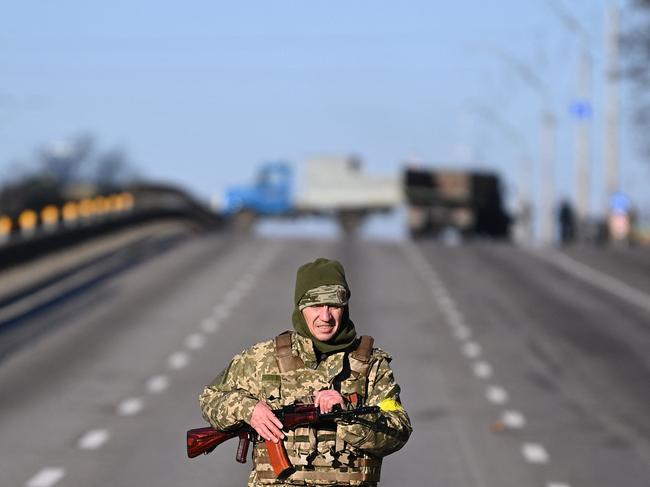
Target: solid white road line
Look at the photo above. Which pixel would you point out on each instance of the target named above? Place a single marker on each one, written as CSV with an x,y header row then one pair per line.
x,y
534,453
195,341
496,395
513,419
471,349
598,278
209,325
482,370
157,384
130,407
46,477
178,360
93,439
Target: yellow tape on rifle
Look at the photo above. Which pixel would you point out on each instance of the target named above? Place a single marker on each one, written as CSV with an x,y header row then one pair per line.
x,y
390,405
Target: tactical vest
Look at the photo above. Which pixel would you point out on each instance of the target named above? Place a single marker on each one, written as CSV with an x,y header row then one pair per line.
x,y
319,456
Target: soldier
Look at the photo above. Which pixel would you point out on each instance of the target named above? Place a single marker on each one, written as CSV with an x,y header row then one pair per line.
x,y
321,362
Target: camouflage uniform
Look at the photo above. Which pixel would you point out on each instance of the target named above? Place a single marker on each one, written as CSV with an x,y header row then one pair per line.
x,y
343,454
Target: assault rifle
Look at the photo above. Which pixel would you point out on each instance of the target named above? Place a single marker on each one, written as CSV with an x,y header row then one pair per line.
x,y
204,440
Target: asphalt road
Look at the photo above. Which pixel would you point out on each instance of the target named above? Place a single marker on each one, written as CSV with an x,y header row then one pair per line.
x,y
517,368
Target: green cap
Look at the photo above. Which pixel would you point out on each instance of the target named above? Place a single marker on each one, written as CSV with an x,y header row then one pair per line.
x,y
323,279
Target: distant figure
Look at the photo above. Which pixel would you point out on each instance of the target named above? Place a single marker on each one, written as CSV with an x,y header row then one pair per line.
x,y
566,217
621,219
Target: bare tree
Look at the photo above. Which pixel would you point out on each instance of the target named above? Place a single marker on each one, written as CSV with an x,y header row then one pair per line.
x,y
58,168
636,43
113,170
63,160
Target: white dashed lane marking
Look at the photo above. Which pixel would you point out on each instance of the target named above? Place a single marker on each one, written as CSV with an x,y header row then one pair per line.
x,y
130,407
471,349
496,395
209,325
157,384
46,478
557,484
195,341
513,419
534,453
482,370
178,360
93,439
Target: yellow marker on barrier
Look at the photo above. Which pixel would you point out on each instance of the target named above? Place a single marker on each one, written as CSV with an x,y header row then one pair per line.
x,y
27,220
50,215
129,200
102,205
98,205
115,202
86,208
70,212
5,226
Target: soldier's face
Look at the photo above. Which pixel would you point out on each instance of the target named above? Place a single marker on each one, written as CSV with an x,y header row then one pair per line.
x,y
323,321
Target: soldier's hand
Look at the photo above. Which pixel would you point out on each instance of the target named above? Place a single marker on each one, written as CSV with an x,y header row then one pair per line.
x,y
267,425
327,399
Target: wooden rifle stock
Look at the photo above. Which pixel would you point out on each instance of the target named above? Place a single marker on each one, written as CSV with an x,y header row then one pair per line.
x,y
204,440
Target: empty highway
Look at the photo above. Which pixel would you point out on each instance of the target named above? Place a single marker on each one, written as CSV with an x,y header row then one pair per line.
x,y
518,368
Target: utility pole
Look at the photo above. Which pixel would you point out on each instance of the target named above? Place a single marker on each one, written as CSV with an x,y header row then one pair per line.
x,y
581,109
547,173
612,178
583,113
524,230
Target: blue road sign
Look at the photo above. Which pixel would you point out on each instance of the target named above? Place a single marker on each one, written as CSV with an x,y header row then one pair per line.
x,y
620,203
581,109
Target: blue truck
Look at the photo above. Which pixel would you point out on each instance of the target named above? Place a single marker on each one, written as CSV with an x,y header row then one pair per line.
x,y
333,187
271,195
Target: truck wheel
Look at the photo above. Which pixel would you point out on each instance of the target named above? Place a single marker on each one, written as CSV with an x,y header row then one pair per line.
x,y
350,222
243,220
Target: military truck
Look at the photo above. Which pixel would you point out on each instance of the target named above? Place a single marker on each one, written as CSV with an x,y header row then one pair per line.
x,y
467,202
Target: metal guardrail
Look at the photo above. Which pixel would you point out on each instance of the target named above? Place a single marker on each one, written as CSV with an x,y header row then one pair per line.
x,y
37,232
51,218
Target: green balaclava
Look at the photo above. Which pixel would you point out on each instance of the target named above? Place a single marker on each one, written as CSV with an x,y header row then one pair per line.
x,y
323,278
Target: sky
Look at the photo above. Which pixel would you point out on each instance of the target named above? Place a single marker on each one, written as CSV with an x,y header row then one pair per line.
x,y
201,92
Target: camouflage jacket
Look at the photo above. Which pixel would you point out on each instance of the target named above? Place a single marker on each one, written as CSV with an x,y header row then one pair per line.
x,y
253,376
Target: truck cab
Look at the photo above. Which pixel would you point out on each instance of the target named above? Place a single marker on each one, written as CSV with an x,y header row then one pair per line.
x,y
271,195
